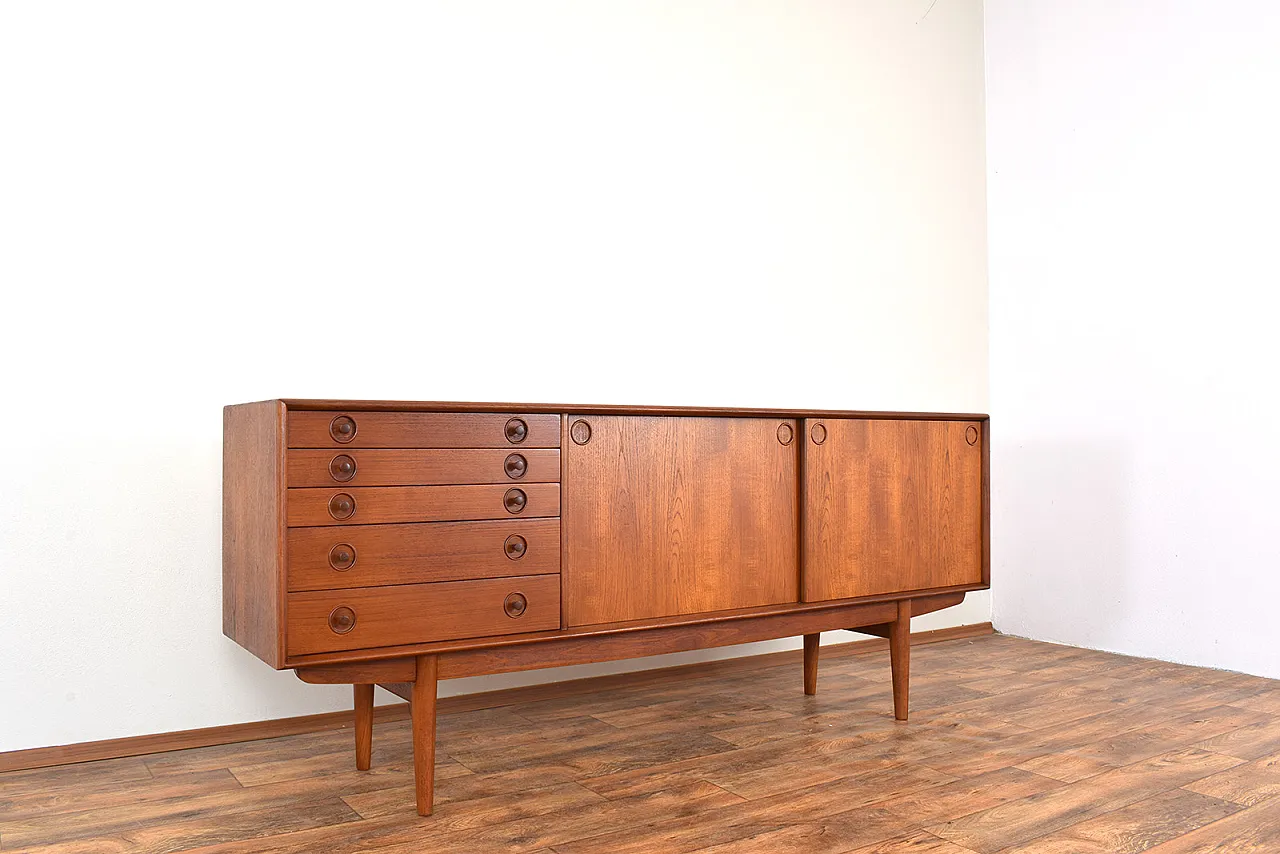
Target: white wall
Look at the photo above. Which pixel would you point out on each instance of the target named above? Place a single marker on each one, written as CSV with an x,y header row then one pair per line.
x,y
768,204
1133,151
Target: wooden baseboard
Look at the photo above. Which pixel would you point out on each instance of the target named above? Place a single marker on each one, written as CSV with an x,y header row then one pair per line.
x,y
139,745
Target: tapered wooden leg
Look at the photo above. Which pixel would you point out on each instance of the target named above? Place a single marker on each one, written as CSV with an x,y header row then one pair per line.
x,y
364,725
900,658
423,709
811,664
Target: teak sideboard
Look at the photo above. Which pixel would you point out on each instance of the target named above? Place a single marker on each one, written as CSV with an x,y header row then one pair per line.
x,y
396,543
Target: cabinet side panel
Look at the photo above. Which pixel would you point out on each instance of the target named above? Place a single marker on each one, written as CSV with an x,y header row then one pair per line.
x,y
252,528
986,501
670,515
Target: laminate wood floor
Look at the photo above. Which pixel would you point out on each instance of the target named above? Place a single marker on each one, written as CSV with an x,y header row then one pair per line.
x,y
1013,746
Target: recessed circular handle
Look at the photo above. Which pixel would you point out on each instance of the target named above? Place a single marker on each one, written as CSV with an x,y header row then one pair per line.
x,y
786,433
515,466
342,620
580,432
971,435
517,431
342,429
342,557
819,433
342,505
515,546
515,604
342,468
515,500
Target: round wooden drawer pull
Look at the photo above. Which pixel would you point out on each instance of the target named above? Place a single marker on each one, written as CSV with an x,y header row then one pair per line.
x,y
342,557
342,506
516,466
515,546
517,431
342,620
342,468
342,429
515,500
514,604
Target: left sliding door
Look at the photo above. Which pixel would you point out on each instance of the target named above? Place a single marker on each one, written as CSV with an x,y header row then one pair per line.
x,y
665,515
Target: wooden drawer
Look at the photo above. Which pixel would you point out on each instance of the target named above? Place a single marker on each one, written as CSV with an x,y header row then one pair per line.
x,y
371,555
381,504
354,429
358,467
363,618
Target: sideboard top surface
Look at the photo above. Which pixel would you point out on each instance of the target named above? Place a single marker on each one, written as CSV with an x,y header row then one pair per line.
x,y
615,409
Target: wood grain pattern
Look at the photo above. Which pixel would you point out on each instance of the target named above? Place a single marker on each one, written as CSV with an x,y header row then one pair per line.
x,y
929,604
661,762
311,405
419,553
1247,783
685,550
985,442
386,504
97,754
811,646
1250,831
891,506
416,429
380,467
637,679
590,648
252,528
1137,827
900,658
677,516
423,707
363,703
564,442
110,749
372,672
1019,822
385,616
915,608
706,625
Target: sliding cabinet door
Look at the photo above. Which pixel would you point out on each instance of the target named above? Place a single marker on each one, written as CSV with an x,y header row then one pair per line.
x,y
672,515
891,506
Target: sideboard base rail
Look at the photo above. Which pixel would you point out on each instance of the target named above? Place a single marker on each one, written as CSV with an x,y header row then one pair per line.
x,y
416,678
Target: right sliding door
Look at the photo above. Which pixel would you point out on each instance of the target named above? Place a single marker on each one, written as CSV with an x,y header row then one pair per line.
x,y
891,506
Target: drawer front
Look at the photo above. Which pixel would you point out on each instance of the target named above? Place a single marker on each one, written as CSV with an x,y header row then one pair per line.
x,y
364,618
381,504
357,467
372,555
421,430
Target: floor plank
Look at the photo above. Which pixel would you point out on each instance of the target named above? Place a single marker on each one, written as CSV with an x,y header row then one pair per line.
x,y
1249,831
1134,828
1020,821
1245,784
